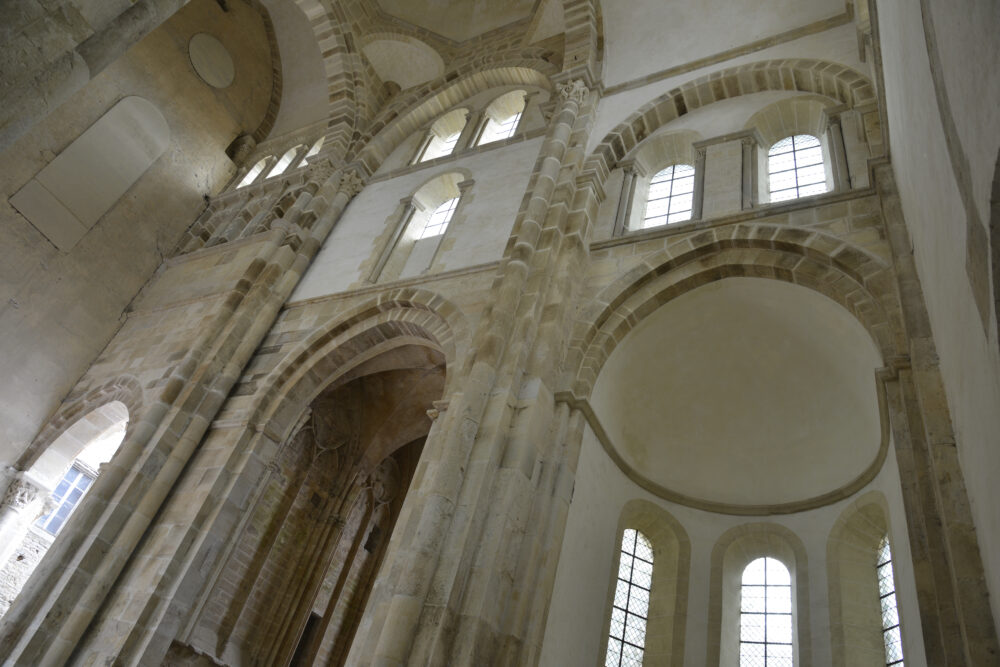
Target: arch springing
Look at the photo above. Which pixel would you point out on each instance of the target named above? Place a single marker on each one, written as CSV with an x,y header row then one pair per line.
x,y
766,614
671,196
795,168
890,613
627,634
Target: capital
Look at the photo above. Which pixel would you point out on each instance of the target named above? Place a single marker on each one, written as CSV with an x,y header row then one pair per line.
x,y
575,90
351,183
20,494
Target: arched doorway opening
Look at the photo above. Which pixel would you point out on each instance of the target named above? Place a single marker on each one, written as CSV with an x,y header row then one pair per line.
x,y
294,588
40,503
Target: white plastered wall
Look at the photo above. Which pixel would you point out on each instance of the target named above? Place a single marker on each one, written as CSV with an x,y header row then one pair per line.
x,y
501,176
589,555
968,49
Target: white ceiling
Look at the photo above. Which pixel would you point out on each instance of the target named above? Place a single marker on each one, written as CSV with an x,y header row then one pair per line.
x,y
458,20
746,391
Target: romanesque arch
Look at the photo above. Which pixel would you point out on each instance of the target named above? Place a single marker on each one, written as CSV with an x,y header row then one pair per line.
x,y
829,79
850,276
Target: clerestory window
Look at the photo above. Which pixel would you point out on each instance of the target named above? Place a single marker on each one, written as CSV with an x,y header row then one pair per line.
x,y
795,168
442,138
766,615
890,613
671,194
503,116
253,173
438,221
627,634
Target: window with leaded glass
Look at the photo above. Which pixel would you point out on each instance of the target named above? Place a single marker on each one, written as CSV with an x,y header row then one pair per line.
x,y
766,615
627,636
438,221
890,614
66,497
671,193
795,168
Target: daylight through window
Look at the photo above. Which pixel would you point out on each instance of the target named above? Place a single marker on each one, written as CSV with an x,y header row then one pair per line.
x,y
627,638
890,614
671,194
438,222
766,615
795,168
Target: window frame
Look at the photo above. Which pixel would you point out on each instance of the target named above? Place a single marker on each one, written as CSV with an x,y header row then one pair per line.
x,y
885,576
795,169
768,563
692,174
630,611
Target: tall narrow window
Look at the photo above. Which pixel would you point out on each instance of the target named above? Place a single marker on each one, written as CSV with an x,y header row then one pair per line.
x,y
503,115
795,168
766,615
438,221
253,173
670,196
890,614
443,135
284,162
627,639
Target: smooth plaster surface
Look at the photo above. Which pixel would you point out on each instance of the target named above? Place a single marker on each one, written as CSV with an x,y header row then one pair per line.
x,y
582,589
458,20
650,35
477,236
744,391
838,45
936,219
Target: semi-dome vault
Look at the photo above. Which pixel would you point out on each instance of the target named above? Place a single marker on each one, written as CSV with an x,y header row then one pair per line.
x,y
520,332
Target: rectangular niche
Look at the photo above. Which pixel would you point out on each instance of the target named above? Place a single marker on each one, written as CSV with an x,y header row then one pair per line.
x,y
67,197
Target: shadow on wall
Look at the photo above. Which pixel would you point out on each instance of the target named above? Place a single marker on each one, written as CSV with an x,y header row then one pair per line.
x,y
39,505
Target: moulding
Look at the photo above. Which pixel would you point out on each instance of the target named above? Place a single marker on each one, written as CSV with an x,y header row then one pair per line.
x,y
759,212
788,36
882,376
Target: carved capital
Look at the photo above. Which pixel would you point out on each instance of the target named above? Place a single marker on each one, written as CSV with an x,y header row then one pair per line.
x,y
321,172
20,494
351,183
576,90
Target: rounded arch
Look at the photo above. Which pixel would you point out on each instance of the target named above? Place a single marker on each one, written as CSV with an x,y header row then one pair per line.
x,y
67,432
407,115
406,316
668,594
340,63
852,277
734,550
855,611
833,80
402,59
802,114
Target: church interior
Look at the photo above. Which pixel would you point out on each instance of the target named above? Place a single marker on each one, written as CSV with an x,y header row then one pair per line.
x,y
520,332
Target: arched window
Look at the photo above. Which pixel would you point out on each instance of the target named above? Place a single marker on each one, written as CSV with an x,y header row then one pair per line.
x,y
890,614
284,162
766,615
627,635
253,173
443,135
502,116
438,221
313,151
671,193
795,168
